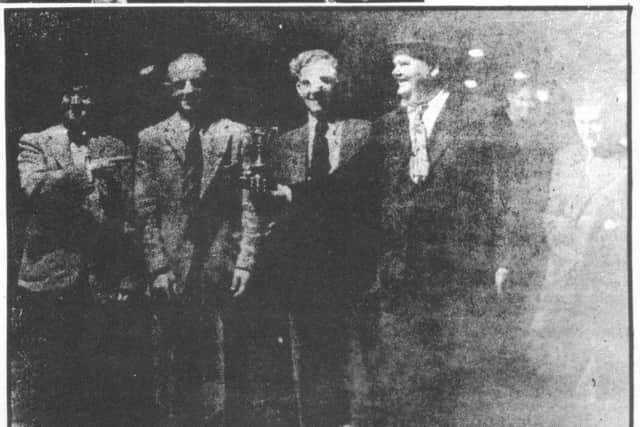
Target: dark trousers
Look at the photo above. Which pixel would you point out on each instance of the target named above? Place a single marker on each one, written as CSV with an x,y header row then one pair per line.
x,y
200,361
79,361
116,349
46,368
321,315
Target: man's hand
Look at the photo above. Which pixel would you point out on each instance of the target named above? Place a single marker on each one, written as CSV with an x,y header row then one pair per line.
x,y
239,282
500,279
106,164
165,284
282,191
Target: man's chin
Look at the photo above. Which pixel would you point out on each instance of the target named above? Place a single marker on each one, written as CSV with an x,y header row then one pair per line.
x,y
315,109
403,91
187,110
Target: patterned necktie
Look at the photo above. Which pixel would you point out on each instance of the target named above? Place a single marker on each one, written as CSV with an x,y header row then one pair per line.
x,y
320,165
192,169
419,162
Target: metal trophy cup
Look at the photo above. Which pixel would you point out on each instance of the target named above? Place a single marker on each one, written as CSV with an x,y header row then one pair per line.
x,y
257,177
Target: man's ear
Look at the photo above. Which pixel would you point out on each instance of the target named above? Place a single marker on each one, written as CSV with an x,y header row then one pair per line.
x,y
299,89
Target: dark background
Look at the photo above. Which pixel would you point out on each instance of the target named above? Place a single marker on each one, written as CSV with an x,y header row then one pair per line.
x,y
248,51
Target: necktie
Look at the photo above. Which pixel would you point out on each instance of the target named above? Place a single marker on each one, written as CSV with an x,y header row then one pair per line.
x,y
193,169
419,162
320,165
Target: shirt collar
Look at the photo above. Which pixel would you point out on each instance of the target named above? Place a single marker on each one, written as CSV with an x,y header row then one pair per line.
x,y
412,107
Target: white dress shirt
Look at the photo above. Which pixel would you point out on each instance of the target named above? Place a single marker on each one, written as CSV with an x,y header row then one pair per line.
x,y
334,138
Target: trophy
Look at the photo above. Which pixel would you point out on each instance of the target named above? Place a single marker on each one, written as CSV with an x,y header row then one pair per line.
x,y
257,177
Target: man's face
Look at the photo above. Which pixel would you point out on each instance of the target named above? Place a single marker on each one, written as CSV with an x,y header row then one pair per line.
x,y
411,74
520,102
316,86
186,78
77,108
588,119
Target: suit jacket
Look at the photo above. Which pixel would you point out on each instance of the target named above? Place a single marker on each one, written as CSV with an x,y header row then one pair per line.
x,y
451,224
575,206
223,231
319,229
582,305
77,226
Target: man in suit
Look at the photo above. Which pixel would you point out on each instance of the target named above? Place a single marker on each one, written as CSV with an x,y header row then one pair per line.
x,y
316,166
200,234
77,183
440,167
580,328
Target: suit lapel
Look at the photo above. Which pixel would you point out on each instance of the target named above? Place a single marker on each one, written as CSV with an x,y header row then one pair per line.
x,y
441,137
351,139
174,137
403,136
298,154
214,147
59,149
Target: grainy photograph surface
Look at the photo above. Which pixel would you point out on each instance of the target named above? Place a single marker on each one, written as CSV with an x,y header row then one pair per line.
x,y
317,217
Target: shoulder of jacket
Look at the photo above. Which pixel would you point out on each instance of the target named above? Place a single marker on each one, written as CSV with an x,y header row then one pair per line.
x,y
388,121
358,123
293,134
111,142
569,153
391,116
53,132
152,131
228,126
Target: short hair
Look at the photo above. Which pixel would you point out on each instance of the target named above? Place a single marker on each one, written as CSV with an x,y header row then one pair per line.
x,y
590,97
426,52
80,89
191,59
310,56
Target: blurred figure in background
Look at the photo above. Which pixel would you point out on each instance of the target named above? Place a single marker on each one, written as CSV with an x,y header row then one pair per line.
x,y
580,329
541,125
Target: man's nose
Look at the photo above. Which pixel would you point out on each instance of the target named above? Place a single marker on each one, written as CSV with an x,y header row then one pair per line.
x,y
396,72
188,87
316,87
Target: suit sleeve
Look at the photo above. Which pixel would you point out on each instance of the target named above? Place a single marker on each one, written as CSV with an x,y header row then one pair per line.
x,y
506,174
147,205
42,180
559,227
128,254
362,197
390,248
251,222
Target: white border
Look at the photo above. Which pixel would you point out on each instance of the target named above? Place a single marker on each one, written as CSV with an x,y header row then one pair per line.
x,y
476,5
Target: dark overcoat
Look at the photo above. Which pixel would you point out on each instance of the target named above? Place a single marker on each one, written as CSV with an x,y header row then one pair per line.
x,y
440,243
319,245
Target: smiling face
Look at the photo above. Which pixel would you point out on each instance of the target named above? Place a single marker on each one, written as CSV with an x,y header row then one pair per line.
x,y
588,119
520,103
412,75
185,78
316,86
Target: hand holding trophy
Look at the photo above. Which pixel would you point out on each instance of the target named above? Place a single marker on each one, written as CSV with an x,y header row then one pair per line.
x,y
257,178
